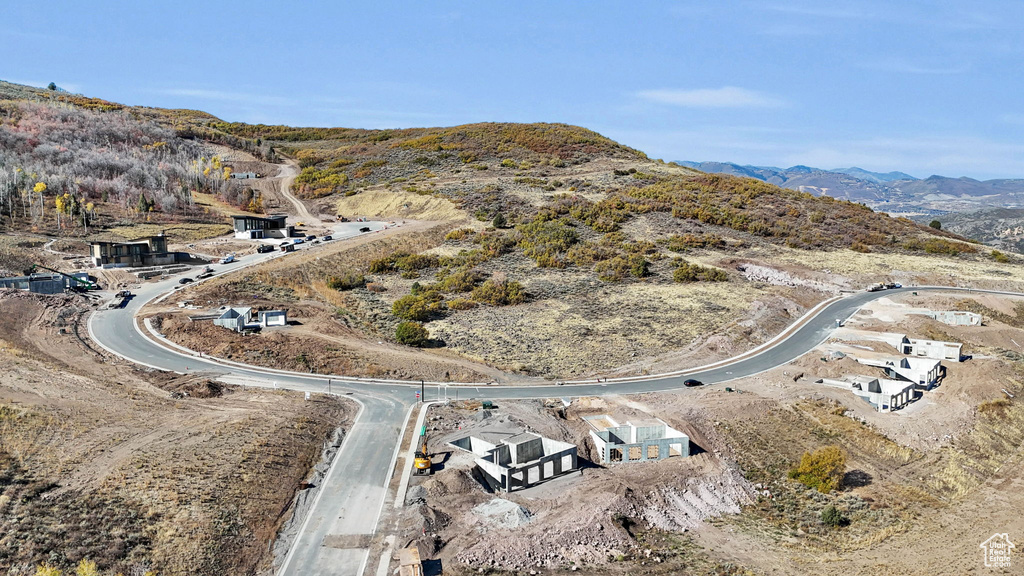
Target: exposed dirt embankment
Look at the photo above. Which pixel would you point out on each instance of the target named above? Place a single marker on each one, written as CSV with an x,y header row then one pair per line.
x,y
590,520
137,470
921,487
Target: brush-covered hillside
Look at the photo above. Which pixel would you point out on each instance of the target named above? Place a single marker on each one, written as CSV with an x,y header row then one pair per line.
x,y
551,251
558,172
70,163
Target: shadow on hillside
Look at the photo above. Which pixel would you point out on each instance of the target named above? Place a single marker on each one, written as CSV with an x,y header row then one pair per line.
x,y
857,479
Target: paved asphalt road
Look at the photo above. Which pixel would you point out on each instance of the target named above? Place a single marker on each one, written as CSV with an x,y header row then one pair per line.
x,y
335,538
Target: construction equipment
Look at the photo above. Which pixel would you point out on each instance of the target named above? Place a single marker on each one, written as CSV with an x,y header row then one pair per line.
x,y
421,464
76,283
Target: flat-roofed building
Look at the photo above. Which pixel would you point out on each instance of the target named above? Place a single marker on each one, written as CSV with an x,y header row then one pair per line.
x,y
250,227
150,251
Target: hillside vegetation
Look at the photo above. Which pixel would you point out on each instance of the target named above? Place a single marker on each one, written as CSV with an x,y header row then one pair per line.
x,y
526,172
543,218
71,163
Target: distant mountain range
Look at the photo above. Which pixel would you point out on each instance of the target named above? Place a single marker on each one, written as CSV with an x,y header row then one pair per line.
x,y
892,192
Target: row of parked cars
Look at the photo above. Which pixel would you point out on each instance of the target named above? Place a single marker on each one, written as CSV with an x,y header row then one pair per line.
x,y
265,248
880,286
312,239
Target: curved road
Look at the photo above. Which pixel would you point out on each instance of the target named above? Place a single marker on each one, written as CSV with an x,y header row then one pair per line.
x,y
339,529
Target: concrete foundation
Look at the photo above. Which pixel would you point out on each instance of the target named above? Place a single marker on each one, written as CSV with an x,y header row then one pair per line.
x,y
885,395
636,442
519,460
956,317
924,372
934,349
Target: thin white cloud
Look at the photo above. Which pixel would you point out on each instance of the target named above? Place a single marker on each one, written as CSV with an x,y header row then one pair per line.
x,y
818,10
1012,118
373,118
901,66
788,30
34,36
240,97
725,97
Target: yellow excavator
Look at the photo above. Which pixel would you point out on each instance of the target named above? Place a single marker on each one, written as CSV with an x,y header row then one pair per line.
x,y
421,464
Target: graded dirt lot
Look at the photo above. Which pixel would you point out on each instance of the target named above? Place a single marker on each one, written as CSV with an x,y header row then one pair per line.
x,y
924,486
140,470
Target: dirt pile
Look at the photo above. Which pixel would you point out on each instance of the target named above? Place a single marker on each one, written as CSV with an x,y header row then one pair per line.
x,y
502,513
677,509
191,387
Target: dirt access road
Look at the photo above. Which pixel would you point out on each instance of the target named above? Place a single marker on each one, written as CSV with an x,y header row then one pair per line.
x,y
289,170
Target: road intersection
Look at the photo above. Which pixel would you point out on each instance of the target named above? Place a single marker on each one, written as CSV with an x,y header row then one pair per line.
x,y
336,536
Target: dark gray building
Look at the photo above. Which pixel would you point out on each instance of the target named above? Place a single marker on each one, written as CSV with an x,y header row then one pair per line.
x,y
37,283
256,227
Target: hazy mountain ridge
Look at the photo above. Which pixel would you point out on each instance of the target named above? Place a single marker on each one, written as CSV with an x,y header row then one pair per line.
x,y
894,192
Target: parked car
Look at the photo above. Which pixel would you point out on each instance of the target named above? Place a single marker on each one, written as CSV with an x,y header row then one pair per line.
x,y
311,237
228,259
692,382
364,229
298,241
328,238
264,248
287,247
185,281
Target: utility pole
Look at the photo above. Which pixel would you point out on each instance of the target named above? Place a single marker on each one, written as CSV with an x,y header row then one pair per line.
x,y
421,390
328,386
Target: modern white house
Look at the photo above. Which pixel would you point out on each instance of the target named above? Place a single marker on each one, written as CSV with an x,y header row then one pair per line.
x,y
243,318
272,317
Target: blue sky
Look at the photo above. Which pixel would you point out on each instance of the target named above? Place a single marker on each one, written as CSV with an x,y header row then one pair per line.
x,y
922,87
